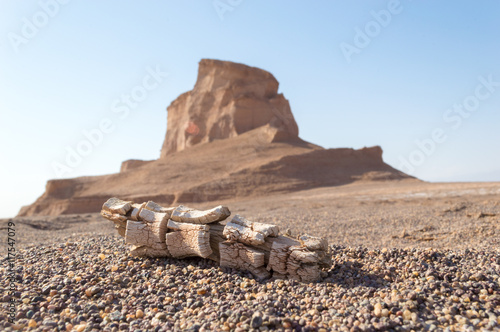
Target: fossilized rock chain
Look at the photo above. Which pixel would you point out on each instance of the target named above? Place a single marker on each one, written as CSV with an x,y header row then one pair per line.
x,y
156,231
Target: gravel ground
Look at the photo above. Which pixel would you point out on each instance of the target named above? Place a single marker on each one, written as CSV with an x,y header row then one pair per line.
x,y
93,285
441,271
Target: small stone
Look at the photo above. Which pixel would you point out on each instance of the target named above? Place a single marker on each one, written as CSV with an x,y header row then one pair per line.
x,y
49,323
30,314
80,328
102,256
256,321
161,316
115,316
46,290
32,323
377,310
92,291
139,313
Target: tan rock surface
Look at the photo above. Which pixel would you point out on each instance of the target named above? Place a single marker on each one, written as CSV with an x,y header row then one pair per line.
x,y
250,149
227,100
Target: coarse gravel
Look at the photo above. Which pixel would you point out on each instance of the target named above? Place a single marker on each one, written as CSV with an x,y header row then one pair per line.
x,y
92,284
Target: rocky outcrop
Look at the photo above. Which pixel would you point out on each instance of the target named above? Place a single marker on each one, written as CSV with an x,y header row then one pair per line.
x,y
227,100
251,148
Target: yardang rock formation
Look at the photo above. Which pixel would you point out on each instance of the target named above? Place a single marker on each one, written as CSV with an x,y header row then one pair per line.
x,y
232,136
227,100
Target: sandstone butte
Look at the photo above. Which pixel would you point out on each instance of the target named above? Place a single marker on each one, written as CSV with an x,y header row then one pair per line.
x,y
232,136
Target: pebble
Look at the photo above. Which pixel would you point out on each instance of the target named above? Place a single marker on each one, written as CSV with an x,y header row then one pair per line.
x,y
161,316
256,321
366,289
30,313
80,327
139,313
92,291
49,323
115,316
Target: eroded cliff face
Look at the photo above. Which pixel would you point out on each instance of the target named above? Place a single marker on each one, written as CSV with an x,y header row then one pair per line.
x,y
227,100
252,149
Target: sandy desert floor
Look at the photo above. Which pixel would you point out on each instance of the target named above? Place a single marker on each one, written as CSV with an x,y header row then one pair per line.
x,y
407,256
374,214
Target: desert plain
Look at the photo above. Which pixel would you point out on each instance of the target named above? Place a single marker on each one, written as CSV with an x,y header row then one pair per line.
x,y
406,255
399,214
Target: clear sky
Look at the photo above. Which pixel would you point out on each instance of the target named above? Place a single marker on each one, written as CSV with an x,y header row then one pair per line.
x,y
421,79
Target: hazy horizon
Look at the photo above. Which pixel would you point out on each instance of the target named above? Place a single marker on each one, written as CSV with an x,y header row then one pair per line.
x,y
421,80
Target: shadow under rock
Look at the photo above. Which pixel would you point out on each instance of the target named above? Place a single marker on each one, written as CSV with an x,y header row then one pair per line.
x,y
350,274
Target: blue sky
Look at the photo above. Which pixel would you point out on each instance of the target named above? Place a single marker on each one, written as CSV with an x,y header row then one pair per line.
x,y
356,74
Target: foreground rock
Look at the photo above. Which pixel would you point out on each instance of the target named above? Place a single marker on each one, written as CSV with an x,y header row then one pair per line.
x,y
240,244
232,136
94,285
